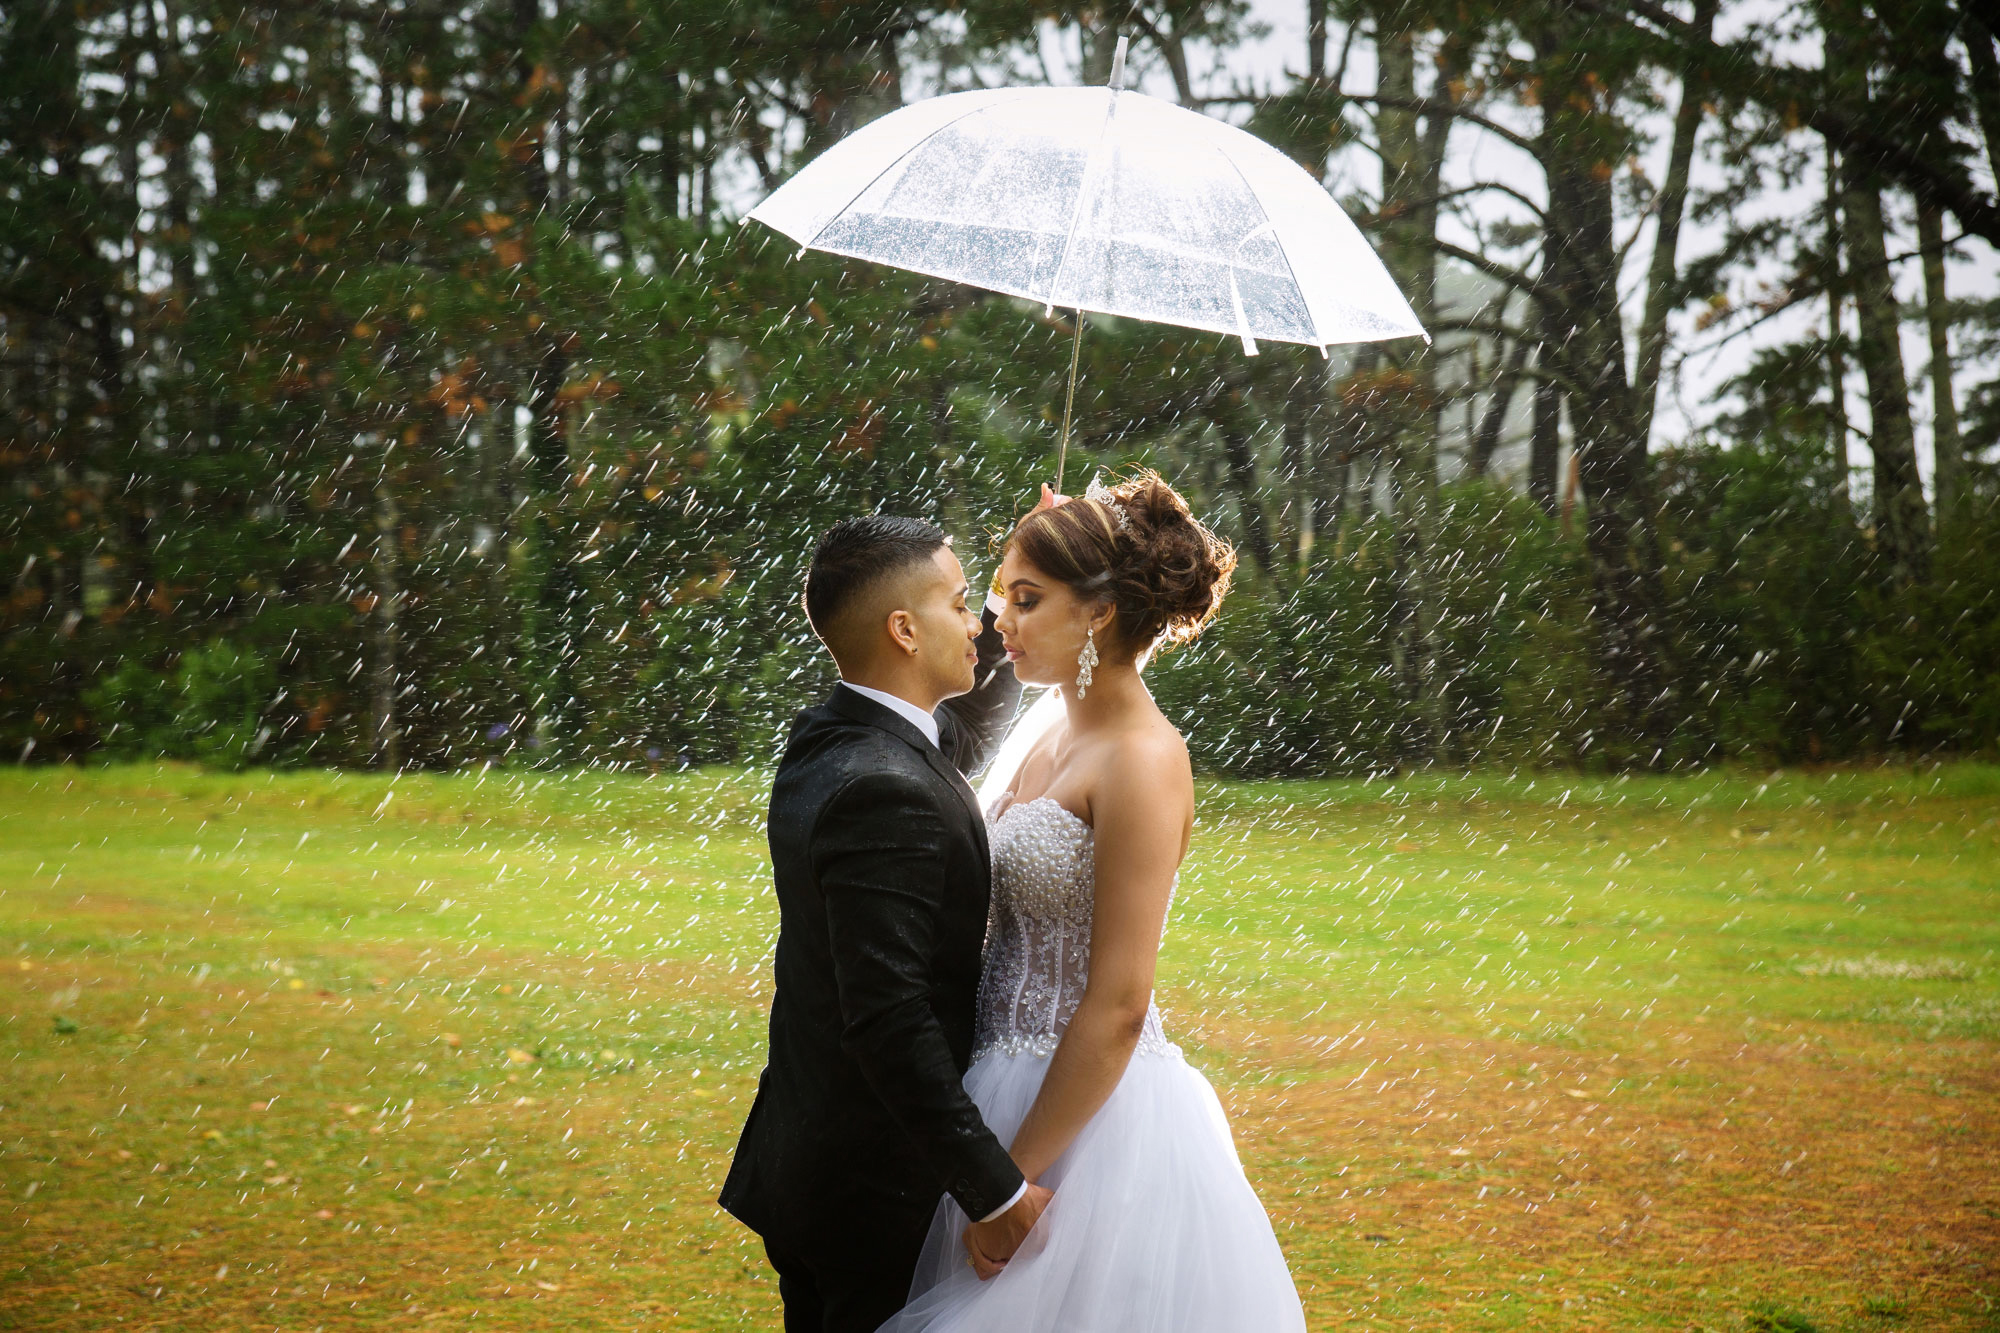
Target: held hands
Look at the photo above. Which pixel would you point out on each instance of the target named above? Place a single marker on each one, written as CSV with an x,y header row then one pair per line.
x,y
989,1245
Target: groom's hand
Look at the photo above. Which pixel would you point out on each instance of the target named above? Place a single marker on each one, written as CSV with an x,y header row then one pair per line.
x,y
991,1244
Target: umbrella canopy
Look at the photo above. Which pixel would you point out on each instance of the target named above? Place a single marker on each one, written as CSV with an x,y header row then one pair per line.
x,y
1099,200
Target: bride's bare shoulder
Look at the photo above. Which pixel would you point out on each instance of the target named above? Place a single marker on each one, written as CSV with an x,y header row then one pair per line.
x,y
1151,752
1145,786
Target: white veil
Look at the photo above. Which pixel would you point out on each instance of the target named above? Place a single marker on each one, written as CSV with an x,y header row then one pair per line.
x,y
1034,722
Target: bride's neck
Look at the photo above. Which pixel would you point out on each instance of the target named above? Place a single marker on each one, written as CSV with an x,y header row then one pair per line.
x,y
1115,691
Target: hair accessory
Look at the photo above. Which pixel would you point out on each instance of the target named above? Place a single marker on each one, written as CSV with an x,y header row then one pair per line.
x,y
1098,492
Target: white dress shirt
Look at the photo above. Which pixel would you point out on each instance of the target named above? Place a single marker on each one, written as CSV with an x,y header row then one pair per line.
x,y
927,724
916,716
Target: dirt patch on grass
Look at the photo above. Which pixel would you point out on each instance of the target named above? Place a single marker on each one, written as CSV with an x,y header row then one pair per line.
x,y
369,1143
1697,1173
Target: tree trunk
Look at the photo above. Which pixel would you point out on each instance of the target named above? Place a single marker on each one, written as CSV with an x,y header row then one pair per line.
x,y
947,458
1340,443
1853,40
1671,204
1412,156
557,613
1100,45
1923,90
856,84
385,625
1978,35
1949,454
1299,478
1487,437
1230,414
1545,435
1902,522
1610,450
1836,337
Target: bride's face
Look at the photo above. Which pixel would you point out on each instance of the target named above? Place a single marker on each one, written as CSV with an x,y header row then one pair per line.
x,y
1044,624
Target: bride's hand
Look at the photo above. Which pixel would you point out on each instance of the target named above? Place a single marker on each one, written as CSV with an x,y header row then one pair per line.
x,y
990,1245
1049,500
984,1266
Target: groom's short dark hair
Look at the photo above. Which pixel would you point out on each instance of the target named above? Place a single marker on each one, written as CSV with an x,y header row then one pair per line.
x,y
857,553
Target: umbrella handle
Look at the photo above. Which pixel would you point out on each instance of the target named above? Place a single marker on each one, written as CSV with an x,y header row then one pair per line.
x,y
1076,340
1069,399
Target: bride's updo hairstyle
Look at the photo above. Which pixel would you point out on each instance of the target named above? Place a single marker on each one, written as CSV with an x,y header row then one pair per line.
x,y
1137,546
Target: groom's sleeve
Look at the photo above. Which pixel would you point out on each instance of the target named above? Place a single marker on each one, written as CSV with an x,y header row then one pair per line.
x,y
970,727
884,884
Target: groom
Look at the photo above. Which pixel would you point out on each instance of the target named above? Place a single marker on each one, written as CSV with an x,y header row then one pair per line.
x,y
878,849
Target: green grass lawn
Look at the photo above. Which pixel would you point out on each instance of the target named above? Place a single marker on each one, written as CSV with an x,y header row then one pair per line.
x,y
306,1051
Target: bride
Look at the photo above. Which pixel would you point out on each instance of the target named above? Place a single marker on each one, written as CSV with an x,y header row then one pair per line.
x,y
1152,1225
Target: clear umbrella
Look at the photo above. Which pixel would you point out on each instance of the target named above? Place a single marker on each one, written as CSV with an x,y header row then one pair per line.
x,y
1101,201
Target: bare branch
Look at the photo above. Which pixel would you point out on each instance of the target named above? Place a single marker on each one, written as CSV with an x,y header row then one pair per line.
x,y
1432,107
1801,93
1796,296
1527,284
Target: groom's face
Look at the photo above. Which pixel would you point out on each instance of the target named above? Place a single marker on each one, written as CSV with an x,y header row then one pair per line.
x,y
943,626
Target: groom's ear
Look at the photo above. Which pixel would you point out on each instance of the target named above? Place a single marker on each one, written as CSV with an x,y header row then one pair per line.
x,y
903,629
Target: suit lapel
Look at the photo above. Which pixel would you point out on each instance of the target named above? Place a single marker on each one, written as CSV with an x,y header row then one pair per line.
x,y
857,708
949,772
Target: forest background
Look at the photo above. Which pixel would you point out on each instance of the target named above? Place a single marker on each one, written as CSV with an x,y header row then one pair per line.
x,y
392,385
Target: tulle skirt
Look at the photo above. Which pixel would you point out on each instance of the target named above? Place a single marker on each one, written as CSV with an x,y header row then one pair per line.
x,y
1153,1228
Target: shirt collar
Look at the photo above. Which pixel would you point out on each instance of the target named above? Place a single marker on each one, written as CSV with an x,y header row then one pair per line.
x,y
916,716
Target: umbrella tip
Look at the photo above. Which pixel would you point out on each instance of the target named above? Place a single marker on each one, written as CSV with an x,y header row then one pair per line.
x,y
1118,63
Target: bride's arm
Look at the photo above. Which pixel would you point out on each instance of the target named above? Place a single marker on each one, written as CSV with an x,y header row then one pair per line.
x,y
1141,811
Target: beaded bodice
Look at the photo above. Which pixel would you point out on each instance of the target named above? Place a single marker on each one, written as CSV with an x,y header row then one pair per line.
x,y
1038,932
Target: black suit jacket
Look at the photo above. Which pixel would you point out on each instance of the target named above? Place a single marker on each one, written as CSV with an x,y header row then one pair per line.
x,y
879,854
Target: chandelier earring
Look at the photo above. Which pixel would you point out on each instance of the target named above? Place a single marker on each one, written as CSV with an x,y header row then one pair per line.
x,y
1086,660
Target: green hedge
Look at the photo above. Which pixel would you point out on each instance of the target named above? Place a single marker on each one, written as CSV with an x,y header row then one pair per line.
x,y
1787,646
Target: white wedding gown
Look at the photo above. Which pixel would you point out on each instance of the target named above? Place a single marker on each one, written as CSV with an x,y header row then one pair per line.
x,y
1153,1228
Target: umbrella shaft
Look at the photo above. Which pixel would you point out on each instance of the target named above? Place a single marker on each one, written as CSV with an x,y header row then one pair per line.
x,y
1069,399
